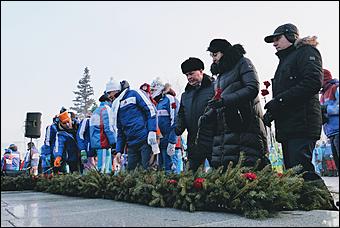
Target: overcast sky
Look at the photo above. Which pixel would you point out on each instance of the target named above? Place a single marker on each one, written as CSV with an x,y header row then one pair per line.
x,y
45,46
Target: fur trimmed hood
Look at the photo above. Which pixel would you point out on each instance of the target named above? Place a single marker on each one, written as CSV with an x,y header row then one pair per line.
x,y
306,41
302,42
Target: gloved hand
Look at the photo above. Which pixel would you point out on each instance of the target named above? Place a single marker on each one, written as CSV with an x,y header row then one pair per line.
x,y
273,106
118,157
155,149
267,119
216,103
170,149
57,162
152,138
83,156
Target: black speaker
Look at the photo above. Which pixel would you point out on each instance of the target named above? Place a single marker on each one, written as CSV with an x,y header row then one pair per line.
x,y
33,125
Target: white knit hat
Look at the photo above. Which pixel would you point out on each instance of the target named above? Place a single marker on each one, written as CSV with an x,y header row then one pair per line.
x,y
112,85
156,87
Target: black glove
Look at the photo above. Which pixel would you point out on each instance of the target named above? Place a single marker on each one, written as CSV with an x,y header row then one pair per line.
x,y
214,104
267,119
273,106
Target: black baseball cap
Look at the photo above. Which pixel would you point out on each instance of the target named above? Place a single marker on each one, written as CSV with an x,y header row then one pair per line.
x,y
282,30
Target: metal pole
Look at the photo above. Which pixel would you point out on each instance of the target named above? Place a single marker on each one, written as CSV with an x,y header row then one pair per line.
x,y
31,153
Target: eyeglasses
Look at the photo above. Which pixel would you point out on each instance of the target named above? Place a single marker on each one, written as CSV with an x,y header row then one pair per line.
x,y
277,38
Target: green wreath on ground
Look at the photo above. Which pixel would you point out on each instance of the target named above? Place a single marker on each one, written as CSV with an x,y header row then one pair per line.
x,y
256,194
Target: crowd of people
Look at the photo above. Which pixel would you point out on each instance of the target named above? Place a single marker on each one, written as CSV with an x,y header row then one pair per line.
x,y
221,114
323,160
11,161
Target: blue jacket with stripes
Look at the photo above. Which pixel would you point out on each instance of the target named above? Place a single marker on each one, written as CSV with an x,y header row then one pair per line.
x,y
135,119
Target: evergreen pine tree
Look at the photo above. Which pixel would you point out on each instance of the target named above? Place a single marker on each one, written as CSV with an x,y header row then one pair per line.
x,y
83,101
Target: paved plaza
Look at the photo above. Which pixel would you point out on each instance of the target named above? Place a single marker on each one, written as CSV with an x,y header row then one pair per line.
x,y
29,208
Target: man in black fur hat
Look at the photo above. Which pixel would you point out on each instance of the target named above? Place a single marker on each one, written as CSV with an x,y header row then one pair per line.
x,y
236,107
194,100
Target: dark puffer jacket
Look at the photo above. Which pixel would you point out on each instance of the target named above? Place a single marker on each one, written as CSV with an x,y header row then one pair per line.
x,y
193,103
296,84
239,123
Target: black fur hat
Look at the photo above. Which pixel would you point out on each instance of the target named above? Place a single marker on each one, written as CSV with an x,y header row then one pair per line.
x,y
217,45
192,64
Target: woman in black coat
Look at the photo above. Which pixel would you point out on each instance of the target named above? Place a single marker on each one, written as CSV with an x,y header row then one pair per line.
x,y
235,108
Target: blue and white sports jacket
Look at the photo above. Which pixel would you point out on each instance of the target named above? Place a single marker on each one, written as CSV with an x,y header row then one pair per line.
x,y
102,133
83,137
66,146
10,161
330,98
136,117
35,158
167,109
51,132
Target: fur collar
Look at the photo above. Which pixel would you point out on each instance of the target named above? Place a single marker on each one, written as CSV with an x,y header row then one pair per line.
x,y
306,41
298,44
230,58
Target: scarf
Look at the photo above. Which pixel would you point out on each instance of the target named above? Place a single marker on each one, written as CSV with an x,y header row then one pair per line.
x,y
115,107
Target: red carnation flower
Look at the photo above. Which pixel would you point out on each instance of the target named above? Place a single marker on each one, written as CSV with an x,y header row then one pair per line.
x,y
173,105
198,183
264,92
267,84
218,93
279,174
172,181
250,176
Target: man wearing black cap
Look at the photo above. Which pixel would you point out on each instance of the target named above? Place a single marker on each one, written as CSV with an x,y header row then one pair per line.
x,y
295,106
194,100
289,31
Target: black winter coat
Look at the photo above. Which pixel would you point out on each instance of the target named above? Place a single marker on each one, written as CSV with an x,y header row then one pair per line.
x,y
296,85
193,103
239,123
